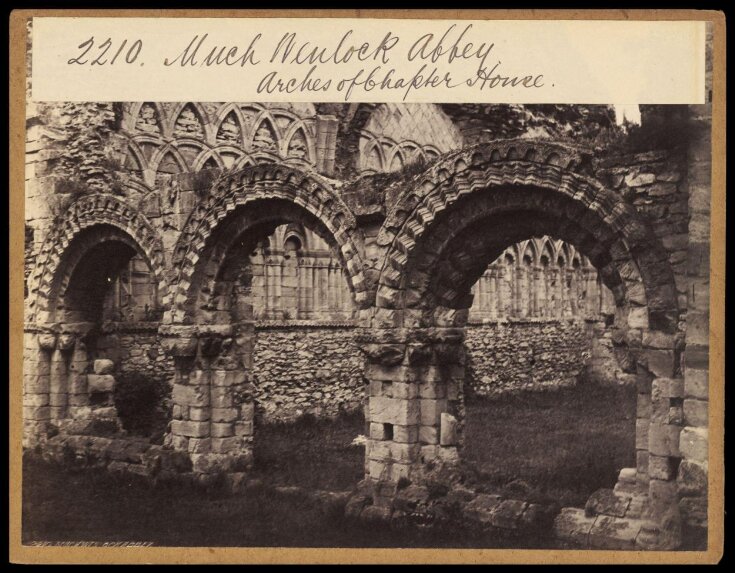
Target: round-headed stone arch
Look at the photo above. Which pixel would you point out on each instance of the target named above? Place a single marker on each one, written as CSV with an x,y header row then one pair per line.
x,y
79,259
89,222
439,235
534,177
210,328
259,197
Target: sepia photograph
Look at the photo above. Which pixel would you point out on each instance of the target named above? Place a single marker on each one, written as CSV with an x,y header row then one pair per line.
x,y
397,324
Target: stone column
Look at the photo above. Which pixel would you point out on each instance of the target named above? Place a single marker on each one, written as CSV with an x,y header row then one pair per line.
x,y
537,286
289,288
258,284
38,346
415,407
58,391
313,290
213,398
493,292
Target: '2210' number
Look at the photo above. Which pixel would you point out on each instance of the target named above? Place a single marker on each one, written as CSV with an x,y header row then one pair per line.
x,y
130,56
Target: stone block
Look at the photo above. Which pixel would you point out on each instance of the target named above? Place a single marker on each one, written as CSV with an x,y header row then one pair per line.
x,y
105,413
376,469
228,377
221,397
449,429
404,390
404,452
199,414
659,362
78,383
432,390
692,478
209,463
222,430
643,408
100,383
393,411
377,431
226,445
190,429
243,429
58,399
662,494
667,388
200,445
573,525
197,396
35,399
36,384
696,413
606,502
696,383
663,439
481,508
627,475
104,366
79,400
224,414
429,435
508,513
661,467
641,434
36,412
431,411
405,434
448,454
693,444
180,442
614,533
247,412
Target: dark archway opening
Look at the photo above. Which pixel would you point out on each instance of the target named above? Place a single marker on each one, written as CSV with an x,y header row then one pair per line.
x,y
111,288
275,270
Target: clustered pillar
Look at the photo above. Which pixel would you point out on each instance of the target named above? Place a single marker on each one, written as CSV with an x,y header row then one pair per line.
x,y
415,407
64,388
213,404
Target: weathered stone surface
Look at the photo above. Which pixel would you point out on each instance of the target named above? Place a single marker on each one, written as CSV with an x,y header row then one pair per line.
x,y
508,513
692,478
693,444
574,526
449,427
100,382
696,413
481,508
605,502
104,366
614,533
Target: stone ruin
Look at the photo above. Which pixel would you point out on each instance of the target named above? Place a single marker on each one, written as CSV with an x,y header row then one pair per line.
x,y
386,237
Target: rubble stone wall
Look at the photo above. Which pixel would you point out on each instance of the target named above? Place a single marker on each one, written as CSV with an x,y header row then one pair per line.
x,y
313,369
526,355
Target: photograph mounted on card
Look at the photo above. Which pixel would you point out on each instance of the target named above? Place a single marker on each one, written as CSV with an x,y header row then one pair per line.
x,y
416,286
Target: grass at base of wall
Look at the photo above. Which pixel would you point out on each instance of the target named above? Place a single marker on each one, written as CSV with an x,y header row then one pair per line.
x,y
552,446
311,453
62,504
561,445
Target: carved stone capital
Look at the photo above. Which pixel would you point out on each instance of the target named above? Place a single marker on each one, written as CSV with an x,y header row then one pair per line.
x,y
180,346
46,340
66,341
385,354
